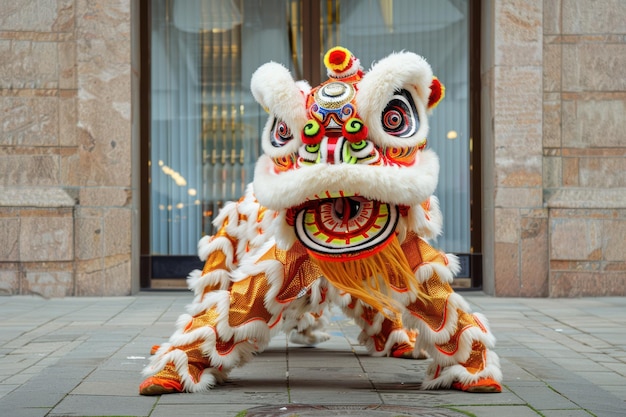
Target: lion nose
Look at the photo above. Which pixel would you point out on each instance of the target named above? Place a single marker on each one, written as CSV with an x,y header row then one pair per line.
x,y
330,150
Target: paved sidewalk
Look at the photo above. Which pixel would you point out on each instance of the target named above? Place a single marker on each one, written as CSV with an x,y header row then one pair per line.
x,y
83,357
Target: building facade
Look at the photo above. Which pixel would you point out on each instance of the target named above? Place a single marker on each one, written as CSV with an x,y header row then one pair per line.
x,y
552,147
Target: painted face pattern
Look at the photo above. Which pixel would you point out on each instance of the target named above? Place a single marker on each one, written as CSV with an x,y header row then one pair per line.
x,y
348,124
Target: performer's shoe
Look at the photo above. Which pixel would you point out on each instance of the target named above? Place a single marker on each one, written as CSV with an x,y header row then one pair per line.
x,y
405,351
157,386
166,381
484,385
154,349
402,350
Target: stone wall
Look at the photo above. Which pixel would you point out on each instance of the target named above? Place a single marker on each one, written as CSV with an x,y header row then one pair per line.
x,y
553,147
65,103
585,146
554,118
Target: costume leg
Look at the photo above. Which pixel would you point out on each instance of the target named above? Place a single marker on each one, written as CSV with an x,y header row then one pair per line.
x,y
380,335
221,332
239,299
458,341
305,319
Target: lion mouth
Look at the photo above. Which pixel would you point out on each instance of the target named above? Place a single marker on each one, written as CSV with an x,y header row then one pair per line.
x,y
344,226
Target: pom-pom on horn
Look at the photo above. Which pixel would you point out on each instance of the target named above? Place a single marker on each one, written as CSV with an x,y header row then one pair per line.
x,y
437,93
340,63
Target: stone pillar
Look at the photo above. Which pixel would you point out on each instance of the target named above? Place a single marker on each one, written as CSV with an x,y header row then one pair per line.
x,y
515,239
65,102
585,146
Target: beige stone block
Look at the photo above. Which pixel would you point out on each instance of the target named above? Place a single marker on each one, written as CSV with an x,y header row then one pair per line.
x,y
89,240
518,32
614,240
552,63
507,225
67,65
9,239
552,172
29,170
65,16
593,17
602,172
105,197
27,15
29,121
67,121
594,67
46,238
9,279
117,231
586,284
568,284
521,197
28,64
518,110
55,199
90,277
506,270
104,74
117,276
49,284
534,256
512,171
594,123
103,156
570,172
551,17
575,239
552,120
615,266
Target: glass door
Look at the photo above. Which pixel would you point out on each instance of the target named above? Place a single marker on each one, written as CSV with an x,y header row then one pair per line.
x,y
204,124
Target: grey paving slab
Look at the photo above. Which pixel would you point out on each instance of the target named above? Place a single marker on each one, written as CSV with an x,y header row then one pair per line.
x,y
84,356
98,405
501,411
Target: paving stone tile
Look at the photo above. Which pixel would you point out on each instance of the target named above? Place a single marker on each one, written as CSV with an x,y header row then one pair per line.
x,y
508,411
94,405
200,410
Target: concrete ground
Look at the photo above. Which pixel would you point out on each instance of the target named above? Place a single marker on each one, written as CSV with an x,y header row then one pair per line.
x,y
84,356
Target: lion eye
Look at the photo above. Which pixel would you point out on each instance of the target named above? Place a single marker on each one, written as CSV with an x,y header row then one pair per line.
x,y
281,134
400,116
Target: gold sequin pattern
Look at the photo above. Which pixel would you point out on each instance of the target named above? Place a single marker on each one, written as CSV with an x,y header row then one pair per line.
x,y
411,250
247,301
168,372
477,360
300,272
387,327
196,360
464,322
434,312
206,318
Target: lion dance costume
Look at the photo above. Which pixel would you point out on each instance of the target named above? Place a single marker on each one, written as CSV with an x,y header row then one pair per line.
x,y
340,212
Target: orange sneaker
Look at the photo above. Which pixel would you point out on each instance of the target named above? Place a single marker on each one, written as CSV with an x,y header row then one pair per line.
x,y
157,386
485,385
154,349
402,350
166,381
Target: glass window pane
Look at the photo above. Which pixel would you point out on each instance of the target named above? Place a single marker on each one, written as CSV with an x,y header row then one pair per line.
x,y
437,30
205,124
